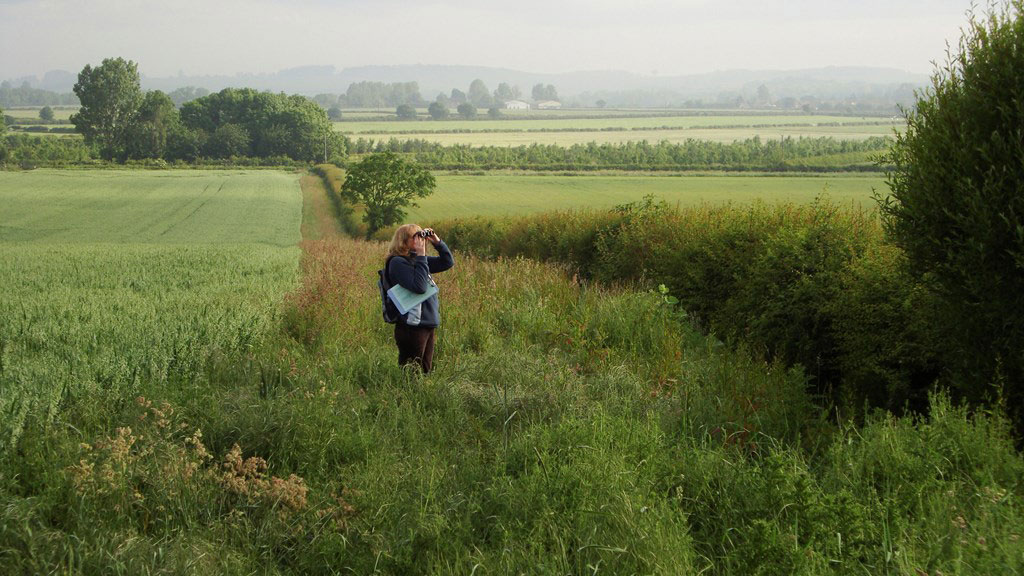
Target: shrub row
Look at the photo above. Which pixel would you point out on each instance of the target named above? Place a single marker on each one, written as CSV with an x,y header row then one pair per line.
x,y
28,152
811,285
610,128
786,154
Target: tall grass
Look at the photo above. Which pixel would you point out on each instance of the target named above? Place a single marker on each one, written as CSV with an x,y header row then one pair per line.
x,y
567,428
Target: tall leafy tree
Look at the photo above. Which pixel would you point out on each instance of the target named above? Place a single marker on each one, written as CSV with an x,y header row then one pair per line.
x,y
544,92
504,93
957,201
386,184
478,94
228,140
147,135
110,97
457,97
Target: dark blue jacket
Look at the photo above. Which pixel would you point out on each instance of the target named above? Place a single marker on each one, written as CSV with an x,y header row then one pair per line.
x,y
413,273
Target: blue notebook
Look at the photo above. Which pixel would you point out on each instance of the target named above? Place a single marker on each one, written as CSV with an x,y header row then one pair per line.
x,y
404,299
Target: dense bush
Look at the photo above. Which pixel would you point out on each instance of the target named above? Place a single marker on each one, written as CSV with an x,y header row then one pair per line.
x,y
27,152
247,122
957,204
810,285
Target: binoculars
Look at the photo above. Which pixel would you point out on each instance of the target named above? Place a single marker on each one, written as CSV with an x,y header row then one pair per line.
x,y
425,233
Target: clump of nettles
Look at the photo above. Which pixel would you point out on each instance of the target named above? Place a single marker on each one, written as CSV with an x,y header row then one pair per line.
x,y
159,469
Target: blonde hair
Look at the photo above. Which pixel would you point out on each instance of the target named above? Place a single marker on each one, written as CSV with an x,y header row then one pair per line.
x,y
400,241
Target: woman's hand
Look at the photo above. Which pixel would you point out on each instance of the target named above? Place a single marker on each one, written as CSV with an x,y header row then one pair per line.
x,y
419,246
434,238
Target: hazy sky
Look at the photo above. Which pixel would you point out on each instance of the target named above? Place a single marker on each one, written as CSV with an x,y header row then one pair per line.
x,y
644,36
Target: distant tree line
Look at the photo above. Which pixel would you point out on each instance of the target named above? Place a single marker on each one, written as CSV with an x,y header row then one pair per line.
x,y
879,101
373,95
810,154
395,94
25,95
186,94
122,122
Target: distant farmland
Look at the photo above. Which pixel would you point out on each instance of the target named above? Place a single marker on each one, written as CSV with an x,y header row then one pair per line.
x,y
610,123
60,113
515,130
506,194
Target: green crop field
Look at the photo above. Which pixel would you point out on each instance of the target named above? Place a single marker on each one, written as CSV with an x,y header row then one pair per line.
x,y
611,129
568,138
109,278
503,194
59,113
611,123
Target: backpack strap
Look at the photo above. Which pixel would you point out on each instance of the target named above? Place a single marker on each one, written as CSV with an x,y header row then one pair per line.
x,y
387,265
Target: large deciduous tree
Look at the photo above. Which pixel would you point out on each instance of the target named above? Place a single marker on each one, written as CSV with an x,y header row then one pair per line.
x,y
386,184
957,201
110,97
544,92
504,93
156,121
478,94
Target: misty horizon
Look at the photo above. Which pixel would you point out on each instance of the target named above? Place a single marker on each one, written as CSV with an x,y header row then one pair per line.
x,y
649,38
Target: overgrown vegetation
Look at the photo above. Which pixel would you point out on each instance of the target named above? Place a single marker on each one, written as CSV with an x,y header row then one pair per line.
x,y
567,428
957,204
811,285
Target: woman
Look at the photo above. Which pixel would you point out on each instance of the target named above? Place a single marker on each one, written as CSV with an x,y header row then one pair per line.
x,y
407,264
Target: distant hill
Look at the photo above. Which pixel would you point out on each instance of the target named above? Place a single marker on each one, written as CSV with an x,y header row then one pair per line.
x,y
830,82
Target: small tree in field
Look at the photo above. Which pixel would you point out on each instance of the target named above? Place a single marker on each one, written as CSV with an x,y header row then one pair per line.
x,y
438,111
385,184
467,110
46,114
957,203
405,112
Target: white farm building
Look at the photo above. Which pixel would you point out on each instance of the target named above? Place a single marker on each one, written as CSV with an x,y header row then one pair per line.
x,y
549,105
516,105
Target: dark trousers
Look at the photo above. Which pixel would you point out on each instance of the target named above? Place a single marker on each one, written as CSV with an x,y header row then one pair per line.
x,y
415,345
